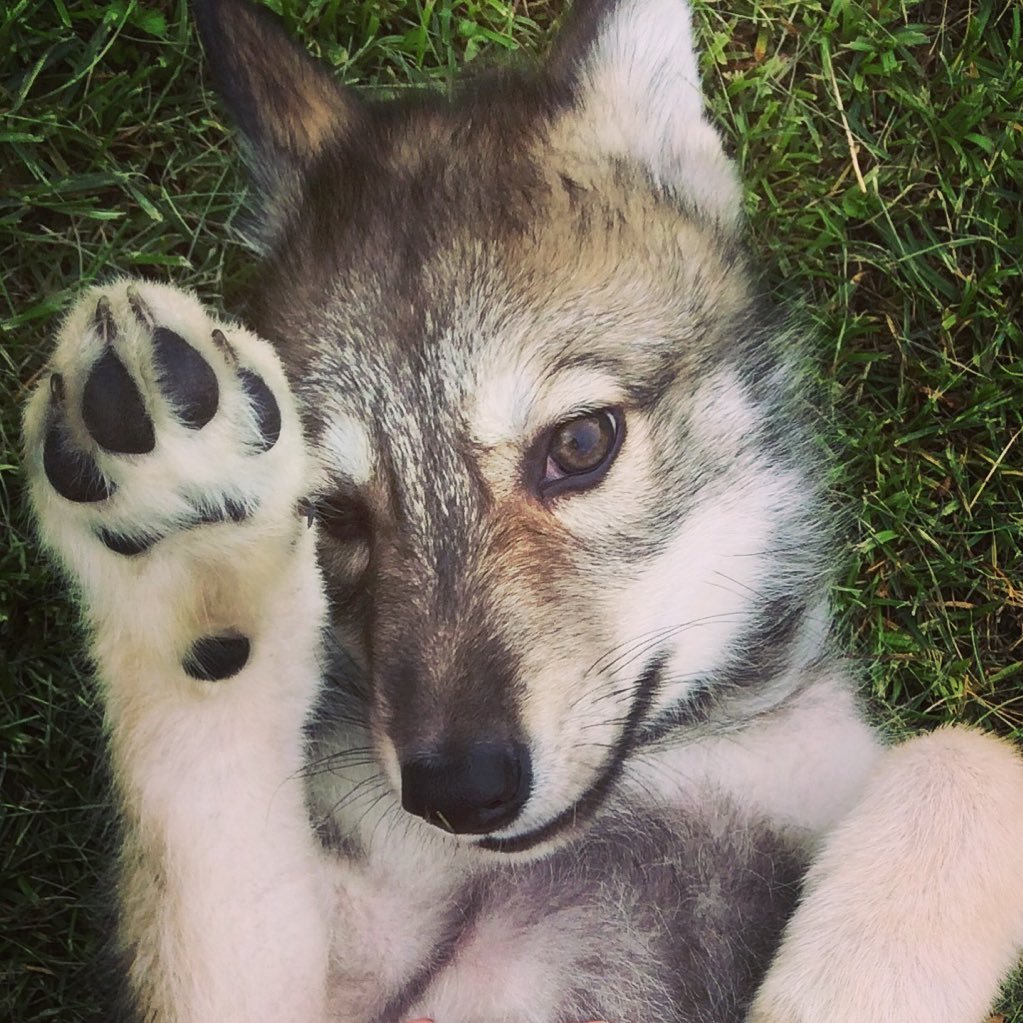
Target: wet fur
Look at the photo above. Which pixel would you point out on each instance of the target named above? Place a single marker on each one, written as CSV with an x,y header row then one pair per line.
x,y
442,282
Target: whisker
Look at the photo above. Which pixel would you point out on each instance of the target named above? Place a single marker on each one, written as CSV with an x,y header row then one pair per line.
x,y
639,648
623,649
360,790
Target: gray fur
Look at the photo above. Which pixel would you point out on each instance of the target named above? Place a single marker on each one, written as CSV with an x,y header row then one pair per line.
x,y
657,911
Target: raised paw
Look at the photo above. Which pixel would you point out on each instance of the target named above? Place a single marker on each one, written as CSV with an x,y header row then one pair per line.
x,y
154,421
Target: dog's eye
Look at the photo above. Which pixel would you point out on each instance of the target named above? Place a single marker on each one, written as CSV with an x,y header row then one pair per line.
x,y
580,450
344,519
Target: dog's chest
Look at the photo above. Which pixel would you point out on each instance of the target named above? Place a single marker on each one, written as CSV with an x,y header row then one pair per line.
x,y
656,914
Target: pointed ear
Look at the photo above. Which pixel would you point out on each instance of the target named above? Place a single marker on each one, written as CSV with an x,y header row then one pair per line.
x,y
633,71
285,103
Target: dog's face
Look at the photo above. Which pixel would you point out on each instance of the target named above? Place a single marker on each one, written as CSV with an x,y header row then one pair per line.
x,y
561,493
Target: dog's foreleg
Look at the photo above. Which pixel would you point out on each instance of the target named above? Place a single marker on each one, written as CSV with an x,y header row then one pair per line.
x,y
165,459
913,910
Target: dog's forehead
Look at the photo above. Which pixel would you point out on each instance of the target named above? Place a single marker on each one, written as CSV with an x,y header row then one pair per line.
x,y
463,281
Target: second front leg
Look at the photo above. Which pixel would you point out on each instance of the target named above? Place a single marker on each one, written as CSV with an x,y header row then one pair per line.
x,y
913,909
166,463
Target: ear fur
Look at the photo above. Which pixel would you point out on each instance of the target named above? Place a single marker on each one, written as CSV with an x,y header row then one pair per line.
x,y
285,103
633,70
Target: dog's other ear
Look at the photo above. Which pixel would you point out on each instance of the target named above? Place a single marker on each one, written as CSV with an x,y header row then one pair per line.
x,y
287,106
633,72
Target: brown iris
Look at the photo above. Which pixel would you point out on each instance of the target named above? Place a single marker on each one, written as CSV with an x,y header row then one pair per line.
x,y
580,450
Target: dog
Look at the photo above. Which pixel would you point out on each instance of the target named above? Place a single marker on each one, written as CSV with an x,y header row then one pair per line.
x,y
461,619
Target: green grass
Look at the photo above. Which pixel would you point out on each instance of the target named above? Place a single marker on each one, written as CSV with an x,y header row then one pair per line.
x,y
883,152
906,258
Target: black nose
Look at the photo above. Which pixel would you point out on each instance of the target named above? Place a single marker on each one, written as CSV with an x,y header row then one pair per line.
x,y
468,790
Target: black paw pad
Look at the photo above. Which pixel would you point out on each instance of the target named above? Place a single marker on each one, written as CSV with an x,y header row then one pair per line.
x,y
113,411
72,473
214,658
129,546
264,405
231,510
186,378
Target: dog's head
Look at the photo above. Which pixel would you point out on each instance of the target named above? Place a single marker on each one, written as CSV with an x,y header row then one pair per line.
x,y
562,497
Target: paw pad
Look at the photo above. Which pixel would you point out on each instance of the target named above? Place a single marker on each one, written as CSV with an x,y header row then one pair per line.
x,y
264,405
71,472
230,511
113,410
127,544
215,658
186,379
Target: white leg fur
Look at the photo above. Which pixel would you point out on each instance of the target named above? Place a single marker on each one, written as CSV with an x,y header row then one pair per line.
x,y
913,911
224,907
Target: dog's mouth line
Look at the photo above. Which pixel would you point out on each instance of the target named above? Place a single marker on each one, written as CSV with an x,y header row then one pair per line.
x,y
593,798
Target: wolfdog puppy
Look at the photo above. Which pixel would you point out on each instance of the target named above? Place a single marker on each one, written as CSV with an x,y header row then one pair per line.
x,y
462,621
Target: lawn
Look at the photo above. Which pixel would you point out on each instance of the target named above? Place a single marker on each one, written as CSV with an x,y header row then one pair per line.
x,y
882,148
